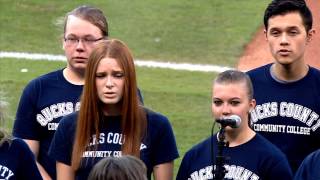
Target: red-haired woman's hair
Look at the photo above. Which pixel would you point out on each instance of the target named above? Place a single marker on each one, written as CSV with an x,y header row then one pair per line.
x,y
133,116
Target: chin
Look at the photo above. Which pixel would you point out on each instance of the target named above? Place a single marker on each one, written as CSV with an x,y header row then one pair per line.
x,y
229,129
80,69
285,61
80,66
111,102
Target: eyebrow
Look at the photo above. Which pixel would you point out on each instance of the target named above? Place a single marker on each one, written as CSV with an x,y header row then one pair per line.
x,y
113,71
234,98
85,36
286,28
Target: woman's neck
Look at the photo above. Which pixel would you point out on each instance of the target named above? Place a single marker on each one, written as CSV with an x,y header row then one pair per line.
x,y
236,137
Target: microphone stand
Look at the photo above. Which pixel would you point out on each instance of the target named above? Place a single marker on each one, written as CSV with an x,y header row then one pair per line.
x,y
220,170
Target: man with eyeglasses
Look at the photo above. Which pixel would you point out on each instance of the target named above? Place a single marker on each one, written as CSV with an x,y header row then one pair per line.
x,y
46,99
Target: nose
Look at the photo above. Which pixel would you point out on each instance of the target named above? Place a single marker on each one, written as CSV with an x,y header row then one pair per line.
x,y
284,39
226,110
109,83
80,45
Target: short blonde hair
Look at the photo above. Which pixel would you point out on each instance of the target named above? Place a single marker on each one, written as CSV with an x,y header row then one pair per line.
x,y
235,76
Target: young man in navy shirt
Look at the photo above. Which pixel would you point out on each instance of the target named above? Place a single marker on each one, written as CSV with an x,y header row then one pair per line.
x,y
287,91
46,99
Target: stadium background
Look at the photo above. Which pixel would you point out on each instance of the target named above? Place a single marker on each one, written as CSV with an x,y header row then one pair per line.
x,y
212,32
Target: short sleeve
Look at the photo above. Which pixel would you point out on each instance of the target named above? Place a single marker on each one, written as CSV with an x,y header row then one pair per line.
x,y
62,142
183,171
281,170
309,168
25,124
165,148
27,164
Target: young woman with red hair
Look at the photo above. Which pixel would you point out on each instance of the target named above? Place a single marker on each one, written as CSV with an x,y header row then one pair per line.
x,y
112,121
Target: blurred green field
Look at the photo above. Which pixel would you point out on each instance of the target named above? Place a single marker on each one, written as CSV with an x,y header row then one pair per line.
x,y
203,31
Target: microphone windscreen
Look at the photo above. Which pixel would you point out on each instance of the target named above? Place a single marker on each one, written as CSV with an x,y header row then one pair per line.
x,y
237,120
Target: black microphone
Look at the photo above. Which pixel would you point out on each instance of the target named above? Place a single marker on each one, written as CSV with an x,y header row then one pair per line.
x,y
233,121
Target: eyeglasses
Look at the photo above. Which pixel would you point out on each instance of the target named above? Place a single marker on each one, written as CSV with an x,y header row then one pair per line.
x,y
72,41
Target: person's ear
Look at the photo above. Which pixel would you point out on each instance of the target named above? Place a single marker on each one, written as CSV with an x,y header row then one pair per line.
x,y
310,35
265,34
252,104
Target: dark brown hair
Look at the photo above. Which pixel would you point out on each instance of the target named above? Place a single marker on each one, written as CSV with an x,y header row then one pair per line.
x,y
280,7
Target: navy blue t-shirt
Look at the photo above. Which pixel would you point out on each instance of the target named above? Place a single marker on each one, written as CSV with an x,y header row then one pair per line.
x,y
45,100
287,114
17,162
310,167
158,146
253,160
